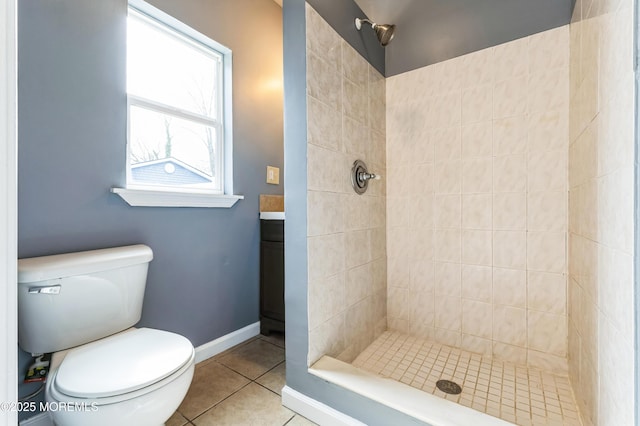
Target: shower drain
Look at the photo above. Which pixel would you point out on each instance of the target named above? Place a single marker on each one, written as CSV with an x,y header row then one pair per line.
x,y
447,386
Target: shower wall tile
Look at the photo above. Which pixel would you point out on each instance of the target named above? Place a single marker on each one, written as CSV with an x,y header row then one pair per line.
x,y
476,318
549,50
422,275
546,251
476,345
328,215
510,136
325,42
493,129
326,255
448,279
477,283
477,102
510,249
547,292
547,171
511,60
354,67
448,211
326,130
547,333
510,287
324,82
354,135
510,173
358,284
510,211
548,131
448,178
448,314
354,101
346,235
510,98
477,211
476,69
510,325
547,211
447,144
477,140
601,163
476,247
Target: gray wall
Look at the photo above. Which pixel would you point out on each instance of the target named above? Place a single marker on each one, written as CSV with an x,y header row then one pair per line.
x,y
341,16
203,281
430,31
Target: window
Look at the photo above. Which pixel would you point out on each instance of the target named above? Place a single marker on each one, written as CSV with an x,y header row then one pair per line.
x,y
179,105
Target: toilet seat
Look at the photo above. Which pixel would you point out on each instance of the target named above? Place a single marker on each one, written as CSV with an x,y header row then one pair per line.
x,y
126,365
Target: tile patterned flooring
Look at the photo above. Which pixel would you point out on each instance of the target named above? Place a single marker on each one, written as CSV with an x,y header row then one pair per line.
x,y
521,395
239,387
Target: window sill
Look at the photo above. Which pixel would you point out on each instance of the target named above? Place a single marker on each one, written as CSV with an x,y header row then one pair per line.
x,y
151,198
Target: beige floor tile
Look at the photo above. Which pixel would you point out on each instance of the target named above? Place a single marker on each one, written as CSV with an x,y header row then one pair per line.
x,y
176,420
298,420
211,384
274,379
253,405
275,338
253,359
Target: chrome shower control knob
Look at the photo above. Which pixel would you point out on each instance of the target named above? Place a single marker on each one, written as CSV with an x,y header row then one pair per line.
x,y
360,177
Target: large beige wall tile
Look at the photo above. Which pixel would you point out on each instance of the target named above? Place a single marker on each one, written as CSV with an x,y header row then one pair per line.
x,y
488,133
347,242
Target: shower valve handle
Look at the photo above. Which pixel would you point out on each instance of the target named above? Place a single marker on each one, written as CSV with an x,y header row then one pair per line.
x,y
368,176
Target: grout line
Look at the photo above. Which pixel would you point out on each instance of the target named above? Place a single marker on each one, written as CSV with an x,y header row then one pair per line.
x,y
289,421
534,394
219,402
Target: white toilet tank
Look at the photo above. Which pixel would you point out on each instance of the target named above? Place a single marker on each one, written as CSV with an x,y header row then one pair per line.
x,y
66,300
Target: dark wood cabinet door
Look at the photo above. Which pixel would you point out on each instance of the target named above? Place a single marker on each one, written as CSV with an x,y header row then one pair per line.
x,y
272,280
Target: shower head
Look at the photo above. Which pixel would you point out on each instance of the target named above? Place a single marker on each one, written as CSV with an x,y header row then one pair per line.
x,y
384,32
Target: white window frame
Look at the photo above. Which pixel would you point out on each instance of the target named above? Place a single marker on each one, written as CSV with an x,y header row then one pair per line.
x,y
162,196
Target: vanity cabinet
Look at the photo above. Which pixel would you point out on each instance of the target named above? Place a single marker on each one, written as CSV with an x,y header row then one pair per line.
x,y
271,276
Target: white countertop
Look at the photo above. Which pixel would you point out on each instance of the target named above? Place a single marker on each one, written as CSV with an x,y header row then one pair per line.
x,y
272,215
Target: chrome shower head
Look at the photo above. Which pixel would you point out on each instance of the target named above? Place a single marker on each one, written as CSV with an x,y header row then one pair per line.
x,y
384,32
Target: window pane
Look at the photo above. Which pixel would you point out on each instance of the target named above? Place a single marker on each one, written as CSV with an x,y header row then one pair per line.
x,y
165,67
170,151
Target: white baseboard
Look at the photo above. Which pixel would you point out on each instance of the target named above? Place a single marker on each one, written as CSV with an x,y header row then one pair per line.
x,y
221,344
315,411
41,419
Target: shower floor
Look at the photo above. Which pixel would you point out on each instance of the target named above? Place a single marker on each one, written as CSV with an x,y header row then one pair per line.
x,y
518,394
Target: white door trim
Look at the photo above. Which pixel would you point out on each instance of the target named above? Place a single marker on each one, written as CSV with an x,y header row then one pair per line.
x,y
8,210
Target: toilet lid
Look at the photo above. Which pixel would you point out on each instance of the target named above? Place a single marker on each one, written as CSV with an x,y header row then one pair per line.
x,y
122,363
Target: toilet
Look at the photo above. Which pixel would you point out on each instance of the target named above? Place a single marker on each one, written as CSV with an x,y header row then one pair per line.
x,y
82,307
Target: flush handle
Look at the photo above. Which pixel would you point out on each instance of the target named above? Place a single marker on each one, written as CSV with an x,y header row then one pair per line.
x,y
52,289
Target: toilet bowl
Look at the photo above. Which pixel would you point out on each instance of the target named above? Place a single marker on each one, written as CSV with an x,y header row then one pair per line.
x,y
81,307
142,376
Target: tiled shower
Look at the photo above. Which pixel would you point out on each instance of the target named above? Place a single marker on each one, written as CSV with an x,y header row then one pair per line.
x,y
502,229
477,245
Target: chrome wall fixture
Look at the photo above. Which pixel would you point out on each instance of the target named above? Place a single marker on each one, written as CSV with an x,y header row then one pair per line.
x,y
384,32
360,177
